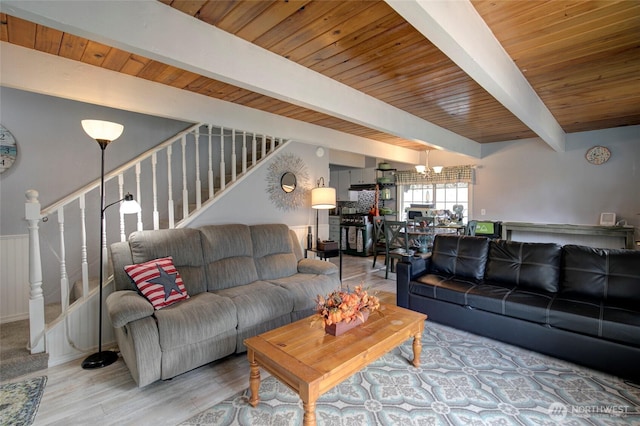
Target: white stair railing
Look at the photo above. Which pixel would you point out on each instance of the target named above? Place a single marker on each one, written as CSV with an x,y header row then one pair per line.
x,y
143,173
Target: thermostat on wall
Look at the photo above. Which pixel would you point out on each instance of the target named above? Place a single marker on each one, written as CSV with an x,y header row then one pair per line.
x,y
607,219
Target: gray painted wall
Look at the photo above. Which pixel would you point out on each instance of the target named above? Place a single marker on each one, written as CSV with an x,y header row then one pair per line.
x,y
56,157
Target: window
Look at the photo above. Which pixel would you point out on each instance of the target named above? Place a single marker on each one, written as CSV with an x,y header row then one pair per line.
x,y
443,196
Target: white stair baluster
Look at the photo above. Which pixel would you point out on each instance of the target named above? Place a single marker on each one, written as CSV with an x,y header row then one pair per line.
x,y
244,152
222,165
264,147
64,280
172,223
83,249
123,237
138,198
196,135
36,297
233,155
210,154
185,191
154,183
254,150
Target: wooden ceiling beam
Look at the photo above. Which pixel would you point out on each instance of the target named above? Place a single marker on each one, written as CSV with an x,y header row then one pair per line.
x,y
457,29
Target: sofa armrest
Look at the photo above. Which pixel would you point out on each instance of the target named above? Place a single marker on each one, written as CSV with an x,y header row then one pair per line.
x,y
315,266
409,269
127,306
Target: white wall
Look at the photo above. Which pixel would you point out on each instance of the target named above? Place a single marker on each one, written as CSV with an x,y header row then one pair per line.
x,y
249,202
526,181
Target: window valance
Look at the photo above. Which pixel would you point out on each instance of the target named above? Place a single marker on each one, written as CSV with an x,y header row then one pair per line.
x,y
451,174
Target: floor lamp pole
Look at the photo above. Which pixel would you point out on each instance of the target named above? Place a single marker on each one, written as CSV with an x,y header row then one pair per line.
x,y
101,359
317,230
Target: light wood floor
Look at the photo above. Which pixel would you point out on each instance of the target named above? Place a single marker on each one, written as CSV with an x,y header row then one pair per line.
x,y
109,396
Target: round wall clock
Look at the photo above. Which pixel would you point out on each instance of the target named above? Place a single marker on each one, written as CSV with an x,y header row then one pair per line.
x,y
8,149
598,155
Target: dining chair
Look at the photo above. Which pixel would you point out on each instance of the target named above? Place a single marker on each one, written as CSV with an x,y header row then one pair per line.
x,y
397,242
471,227
379,241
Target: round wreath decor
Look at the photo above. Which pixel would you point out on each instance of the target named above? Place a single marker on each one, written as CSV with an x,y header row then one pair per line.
x,y
288,163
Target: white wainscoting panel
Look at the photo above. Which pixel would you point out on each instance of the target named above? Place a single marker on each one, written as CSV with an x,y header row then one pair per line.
x,y
14,277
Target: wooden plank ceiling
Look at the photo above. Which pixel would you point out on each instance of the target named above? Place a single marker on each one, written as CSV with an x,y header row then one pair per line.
x,y
582,58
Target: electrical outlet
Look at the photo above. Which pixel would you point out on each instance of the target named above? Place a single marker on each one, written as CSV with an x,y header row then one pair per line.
x,y
483,212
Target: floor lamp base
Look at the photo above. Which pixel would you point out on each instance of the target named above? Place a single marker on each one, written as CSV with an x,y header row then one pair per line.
x,y
99,360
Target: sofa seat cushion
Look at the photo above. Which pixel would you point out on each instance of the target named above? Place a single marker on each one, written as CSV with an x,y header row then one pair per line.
x,y
304,288
444,288
196,319
529,305
617,321
258,302
510,300
464,257
533,265
489,297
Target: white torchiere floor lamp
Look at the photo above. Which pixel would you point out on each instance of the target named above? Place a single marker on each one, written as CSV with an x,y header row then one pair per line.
x,y
105,132
322,198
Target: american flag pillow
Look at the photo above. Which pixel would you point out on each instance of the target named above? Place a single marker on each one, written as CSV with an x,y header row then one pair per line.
x,y
159,281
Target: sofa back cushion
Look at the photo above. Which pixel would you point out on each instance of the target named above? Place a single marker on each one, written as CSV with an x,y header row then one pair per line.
x,y
601,273
464,256
532,265
273,251
228,255
183,245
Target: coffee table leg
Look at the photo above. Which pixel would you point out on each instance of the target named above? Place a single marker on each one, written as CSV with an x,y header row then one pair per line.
x,y
309,413
417,347
254,379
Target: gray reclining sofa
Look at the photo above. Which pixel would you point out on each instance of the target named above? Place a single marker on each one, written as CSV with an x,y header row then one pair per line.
x,y
242,280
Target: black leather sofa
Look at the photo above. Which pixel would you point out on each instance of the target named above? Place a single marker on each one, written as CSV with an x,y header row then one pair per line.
x,y
577,303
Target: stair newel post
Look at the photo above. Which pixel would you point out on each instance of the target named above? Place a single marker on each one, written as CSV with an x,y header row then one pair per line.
x,y
64,279
210,169
36,298
196,136
244,152
222,165
185,191
233,155
254,150
140,226
170,188
154,182
83,249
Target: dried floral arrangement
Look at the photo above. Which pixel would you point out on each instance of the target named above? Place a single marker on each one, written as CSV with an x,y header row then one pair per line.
x,y
345,305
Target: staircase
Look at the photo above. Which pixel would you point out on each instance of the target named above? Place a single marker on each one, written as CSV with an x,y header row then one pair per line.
x,y
174,183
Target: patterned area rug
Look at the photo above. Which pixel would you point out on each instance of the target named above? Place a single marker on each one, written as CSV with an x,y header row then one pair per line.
x,y
464,379
19,401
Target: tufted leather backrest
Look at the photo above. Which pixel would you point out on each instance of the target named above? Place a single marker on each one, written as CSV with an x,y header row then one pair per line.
x,y
463,256
532,265
601,273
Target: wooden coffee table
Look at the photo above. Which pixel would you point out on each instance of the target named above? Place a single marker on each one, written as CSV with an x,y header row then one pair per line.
x,y
311,362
